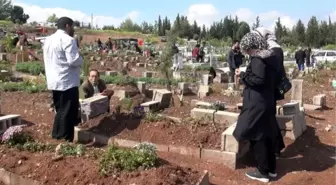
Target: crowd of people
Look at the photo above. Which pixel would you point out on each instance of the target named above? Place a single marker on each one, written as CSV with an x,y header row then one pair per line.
x,y
304,57
264,79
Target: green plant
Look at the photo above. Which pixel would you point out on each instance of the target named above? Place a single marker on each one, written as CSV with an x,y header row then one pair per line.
x,y
19,139
34,68
33,146
22,86
86,67
23,141
117,159
68,149
152,117
126,103
8,42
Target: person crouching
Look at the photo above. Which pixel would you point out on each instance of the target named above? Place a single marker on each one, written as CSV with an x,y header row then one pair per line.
x,y
94,86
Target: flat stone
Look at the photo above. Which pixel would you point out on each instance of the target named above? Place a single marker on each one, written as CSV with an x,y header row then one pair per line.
x,y
311,107
226,117
320,100
202,104
294,125
151,106
140,64
291,108
201,113
194,152
125,143
148,74
229,159
111,73
163,96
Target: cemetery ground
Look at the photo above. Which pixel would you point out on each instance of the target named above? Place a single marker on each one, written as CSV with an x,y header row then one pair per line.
x,y
191,131
182,138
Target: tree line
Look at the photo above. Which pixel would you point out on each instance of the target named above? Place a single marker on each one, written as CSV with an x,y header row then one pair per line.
x,y
315,34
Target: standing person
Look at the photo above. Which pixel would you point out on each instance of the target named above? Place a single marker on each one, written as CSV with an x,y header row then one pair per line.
x,y
175,52
255,120
300,56
308,55
201,52
195,52
276,48
62,66
99,44
235,59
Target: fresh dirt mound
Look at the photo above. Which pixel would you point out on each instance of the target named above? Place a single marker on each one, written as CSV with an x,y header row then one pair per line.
x,y
189,133
85,170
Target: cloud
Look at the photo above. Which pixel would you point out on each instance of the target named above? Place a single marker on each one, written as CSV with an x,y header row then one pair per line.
x,y
202,13
267,19
39,14
332,15
208,13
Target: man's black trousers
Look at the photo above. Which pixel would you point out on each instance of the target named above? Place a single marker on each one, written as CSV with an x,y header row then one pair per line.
x,y
66,104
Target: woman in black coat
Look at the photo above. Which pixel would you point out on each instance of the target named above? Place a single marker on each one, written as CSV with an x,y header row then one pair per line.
x,y
272,44
255,122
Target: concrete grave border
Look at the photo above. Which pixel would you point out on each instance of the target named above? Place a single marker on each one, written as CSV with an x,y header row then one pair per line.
x,y
218,156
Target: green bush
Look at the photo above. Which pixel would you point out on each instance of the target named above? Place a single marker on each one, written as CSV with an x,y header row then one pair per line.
x,y
24,141
22,86
5,66
117,159
34,68
330,47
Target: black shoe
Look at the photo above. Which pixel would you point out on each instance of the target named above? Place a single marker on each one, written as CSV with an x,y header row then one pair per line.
x,y
256,175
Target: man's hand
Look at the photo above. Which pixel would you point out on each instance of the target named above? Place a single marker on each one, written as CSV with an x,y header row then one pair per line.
x,y
107,92
237,72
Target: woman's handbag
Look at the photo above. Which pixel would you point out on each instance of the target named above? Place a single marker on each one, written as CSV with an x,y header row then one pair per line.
x,y
284,86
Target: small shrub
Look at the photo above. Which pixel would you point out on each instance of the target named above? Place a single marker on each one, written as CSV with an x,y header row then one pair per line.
x,y
126,103
71,149
22,86
152,117
33,68
15,137
116,159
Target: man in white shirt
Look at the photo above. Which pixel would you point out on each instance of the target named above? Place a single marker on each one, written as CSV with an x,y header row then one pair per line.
x,y
62,66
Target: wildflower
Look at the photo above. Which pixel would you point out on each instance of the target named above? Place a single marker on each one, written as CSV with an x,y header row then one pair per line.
x,y
11,131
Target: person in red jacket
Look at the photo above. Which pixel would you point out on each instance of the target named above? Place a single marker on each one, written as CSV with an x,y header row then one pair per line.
x,y
195,52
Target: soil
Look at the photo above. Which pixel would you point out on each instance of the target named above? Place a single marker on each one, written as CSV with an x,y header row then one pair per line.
x,y
191,134
85,170
310,160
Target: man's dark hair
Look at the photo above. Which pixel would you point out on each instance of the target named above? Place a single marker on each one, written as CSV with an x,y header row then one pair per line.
x,y
235,41
95,70
63,21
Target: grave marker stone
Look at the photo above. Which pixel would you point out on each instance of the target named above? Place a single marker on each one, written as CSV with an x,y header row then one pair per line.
x,y
320,100
94,106
148,74
142,86
297,90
